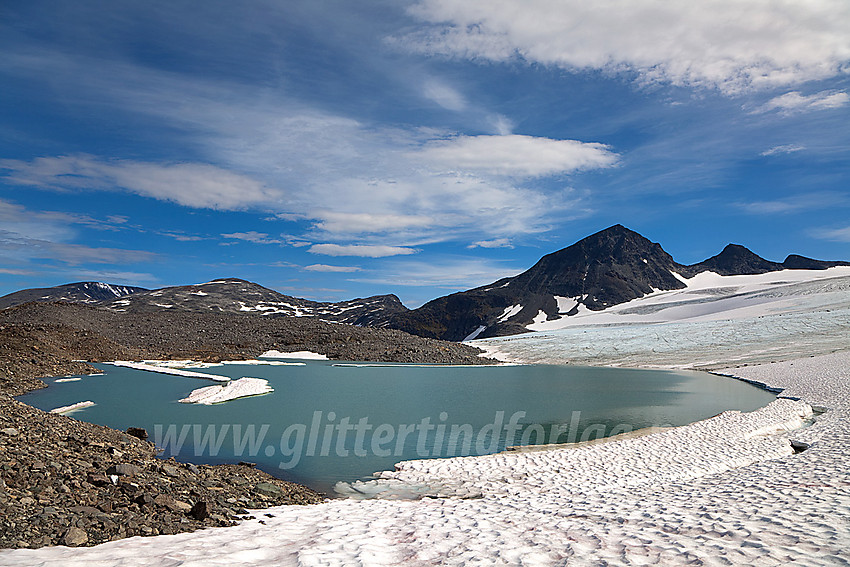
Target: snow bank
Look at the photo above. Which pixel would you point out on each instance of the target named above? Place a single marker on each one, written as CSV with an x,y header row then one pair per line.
x,y
301,354
72,407
232,390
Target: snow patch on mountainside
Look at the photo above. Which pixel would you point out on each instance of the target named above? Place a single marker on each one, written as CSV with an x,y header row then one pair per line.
x,y
509,312
475,333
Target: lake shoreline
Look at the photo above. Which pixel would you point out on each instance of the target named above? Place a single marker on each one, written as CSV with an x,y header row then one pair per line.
x,y
759,503
54,474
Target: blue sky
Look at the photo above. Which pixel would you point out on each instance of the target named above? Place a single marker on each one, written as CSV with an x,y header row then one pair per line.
x,y
332,149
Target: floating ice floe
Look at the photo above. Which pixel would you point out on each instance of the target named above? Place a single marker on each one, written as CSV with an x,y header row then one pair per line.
x,y
151,366
232,390
73,407
301,354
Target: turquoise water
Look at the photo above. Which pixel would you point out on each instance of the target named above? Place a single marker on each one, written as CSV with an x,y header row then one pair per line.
x,y
327,422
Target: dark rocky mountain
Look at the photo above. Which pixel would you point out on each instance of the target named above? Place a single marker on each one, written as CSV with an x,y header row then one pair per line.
x,y
607,268
233,295
81,292
604,269
735,260
796,262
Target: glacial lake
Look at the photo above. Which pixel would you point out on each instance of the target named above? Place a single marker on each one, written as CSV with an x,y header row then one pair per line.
x,y
328,421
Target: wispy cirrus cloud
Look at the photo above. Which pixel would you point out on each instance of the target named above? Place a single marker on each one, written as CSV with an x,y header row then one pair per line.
x,y
796,203
331,269
833,234
783,149
796,103
725,44
195,185
444,95
69,253
27,234
453,273
362,250
253,236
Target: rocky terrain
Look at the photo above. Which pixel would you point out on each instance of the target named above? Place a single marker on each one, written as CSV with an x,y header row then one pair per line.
x,y
170,334
65,482
72,483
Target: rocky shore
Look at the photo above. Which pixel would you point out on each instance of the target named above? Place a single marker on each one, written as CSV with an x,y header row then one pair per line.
x,y
66,482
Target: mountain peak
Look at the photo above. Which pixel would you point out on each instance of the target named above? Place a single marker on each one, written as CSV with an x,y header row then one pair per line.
x,y
736,259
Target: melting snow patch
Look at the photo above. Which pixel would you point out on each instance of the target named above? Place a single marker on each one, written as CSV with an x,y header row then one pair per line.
x,y
153,367
475,333
73,407
508,313
232,390
302,354
540,317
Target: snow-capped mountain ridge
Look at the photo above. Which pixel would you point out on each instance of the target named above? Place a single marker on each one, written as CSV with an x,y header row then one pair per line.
x,y
603,270
80,292
234,295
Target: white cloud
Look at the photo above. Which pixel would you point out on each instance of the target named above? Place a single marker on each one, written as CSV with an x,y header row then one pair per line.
x,y
444,95
837,234
253,236
362,250
333,269
350,181
451,273
783,149
796,103
726,44
182,237
495,243
516,155
338,222
189,184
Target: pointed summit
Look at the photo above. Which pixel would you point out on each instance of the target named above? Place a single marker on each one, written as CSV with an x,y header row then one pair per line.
x,y
606,268
736,260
